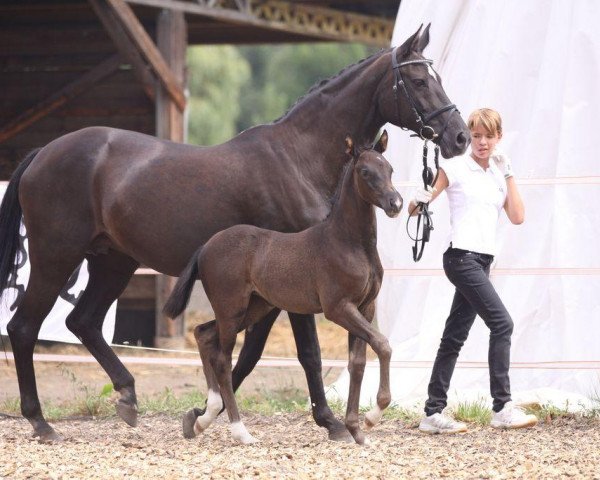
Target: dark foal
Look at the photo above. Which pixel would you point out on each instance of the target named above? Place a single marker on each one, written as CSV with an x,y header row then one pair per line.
x,y
332,267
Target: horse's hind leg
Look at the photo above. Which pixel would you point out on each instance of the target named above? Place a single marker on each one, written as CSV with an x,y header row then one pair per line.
x,y
252,348
108,277
196,421
47,277
309,356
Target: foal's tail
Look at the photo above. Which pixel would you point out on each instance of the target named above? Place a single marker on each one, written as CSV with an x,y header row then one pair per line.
x,y
180,296
10,222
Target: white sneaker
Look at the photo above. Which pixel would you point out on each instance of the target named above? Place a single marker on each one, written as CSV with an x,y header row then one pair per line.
x,y
512,416
440,423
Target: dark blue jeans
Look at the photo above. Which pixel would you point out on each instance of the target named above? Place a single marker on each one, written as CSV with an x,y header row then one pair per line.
x,y
475,295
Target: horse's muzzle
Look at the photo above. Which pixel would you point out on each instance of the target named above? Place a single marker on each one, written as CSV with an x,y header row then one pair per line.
x,y
393,205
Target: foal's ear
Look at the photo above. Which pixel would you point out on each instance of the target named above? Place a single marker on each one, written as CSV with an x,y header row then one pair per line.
x,y
381,144
349,146
423,40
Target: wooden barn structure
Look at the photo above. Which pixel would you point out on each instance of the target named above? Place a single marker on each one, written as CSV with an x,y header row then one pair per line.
x,y
68,64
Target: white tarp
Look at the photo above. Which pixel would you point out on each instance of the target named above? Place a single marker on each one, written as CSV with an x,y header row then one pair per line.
x,y
53,327
538,63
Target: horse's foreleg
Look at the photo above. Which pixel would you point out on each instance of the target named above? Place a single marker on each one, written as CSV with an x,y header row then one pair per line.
x,y
42,291
309,356
357,358
108,277
349,317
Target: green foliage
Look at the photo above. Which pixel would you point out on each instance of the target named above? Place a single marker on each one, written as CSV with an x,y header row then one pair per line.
x,y
168,402
216,77
232,89
282,74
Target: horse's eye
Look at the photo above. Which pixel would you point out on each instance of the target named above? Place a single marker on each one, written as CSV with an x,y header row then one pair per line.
x,y
419,82
364,172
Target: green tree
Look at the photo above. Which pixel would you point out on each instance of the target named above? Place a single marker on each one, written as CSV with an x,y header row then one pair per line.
x,y
216,76
282,74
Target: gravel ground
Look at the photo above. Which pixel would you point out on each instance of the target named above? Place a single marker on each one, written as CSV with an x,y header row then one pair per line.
x,y
291,446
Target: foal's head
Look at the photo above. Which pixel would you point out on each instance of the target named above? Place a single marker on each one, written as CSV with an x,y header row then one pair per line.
x,y
373,176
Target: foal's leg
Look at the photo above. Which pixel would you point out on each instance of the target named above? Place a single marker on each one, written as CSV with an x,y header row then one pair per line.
x,y
348,316
196,421
309,356
357,359
48,275
109,275
221,362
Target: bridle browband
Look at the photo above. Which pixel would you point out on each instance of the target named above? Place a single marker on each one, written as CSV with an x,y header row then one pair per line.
x,y
426,133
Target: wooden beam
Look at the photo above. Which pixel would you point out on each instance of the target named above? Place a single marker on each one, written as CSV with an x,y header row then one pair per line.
x,y
125,46
148,49
59,98
289,16
171,38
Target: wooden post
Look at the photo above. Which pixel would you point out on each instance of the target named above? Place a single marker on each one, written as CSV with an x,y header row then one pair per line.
x,y
172,43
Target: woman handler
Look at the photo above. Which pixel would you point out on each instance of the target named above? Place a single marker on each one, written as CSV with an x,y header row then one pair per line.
x,y
479,185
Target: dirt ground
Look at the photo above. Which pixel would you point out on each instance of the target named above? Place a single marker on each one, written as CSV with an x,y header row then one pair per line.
x,y
60,382
292,447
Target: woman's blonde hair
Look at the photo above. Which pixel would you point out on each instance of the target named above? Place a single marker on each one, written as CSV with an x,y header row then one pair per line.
x,y
488,119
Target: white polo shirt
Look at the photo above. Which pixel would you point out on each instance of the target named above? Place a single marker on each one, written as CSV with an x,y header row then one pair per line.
x,y
476,198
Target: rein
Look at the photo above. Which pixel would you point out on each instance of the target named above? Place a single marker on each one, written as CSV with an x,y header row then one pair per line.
x,y
426,133
424,215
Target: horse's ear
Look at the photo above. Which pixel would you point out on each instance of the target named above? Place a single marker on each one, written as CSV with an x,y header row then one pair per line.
x,y
381,144
423,39
410,44
349,146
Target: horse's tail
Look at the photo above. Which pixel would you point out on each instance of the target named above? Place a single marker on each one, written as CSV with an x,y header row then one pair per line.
x,y
10,222
180,296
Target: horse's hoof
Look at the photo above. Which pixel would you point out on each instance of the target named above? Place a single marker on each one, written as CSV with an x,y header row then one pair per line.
x,y
340,435
360,438
128,413
48,435
249,440
372,418
189,419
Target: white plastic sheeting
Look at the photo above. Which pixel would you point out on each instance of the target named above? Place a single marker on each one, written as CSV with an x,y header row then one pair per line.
x,y
537,63
54,327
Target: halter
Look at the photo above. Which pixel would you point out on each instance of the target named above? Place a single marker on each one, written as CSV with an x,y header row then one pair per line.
x,y
426,133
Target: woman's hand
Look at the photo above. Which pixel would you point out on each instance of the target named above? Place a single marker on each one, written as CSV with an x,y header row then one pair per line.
x,y
502,162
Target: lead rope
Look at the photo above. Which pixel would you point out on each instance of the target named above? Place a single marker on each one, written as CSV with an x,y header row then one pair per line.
x,y
424,214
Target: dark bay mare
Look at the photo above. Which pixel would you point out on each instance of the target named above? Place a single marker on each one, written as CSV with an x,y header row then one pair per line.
x,y
332,267
120,199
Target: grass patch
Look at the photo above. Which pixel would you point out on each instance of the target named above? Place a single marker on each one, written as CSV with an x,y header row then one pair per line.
x,y
288,400
473,412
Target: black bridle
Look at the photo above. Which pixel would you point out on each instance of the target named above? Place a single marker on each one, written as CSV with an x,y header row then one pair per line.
x,y
426,133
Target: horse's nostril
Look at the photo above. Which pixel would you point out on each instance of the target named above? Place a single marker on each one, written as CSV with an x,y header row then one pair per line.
x,y
461,139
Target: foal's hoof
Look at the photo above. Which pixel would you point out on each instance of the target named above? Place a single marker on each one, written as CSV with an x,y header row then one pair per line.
x,y
340,434
373,417
48,435
128,413
189,419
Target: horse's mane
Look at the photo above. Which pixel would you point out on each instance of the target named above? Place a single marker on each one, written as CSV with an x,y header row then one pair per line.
x,y
322,83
